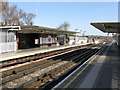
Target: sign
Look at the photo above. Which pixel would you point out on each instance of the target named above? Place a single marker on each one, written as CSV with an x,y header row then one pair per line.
x,y
49,38
36,41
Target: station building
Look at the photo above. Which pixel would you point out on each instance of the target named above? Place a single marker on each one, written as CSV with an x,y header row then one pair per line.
x,y
13,38
78,40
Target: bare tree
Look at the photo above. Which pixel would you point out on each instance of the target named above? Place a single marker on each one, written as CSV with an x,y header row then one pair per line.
x,y
4,12
11,15
14,16
27,18
64,26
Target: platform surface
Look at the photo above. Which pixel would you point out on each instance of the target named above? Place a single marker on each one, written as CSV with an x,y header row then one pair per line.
x,y
102,72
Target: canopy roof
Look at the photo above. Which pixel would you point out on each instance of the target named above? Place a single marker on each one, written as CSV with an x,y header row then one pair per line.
x,y
110,27
40,29
10,28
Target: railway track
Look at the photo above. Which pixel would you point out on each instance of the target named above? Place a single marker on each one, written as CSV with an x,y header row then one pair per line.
x,y
41,73
12,62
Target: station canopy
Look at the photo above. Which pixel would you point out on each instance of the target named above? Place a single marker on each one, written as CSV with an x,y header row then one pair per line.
x,y
10,28
40,29
109,27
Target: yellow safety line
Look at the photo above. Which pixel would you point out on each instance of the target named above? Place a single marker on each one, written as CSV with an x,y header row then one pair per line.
x,y
80,71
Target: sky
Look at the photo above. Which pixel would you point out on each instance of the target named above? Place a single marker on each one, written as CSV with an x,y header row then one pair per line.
x,y
78,14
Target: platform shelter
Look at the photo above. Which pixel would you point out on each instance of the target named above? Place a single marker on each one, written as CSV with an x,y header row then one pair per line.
x,y
8,41
38,36
109,27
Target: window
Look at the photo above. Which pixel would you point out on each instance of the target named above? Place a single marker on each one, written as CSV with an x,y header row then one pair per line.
x,y
7,36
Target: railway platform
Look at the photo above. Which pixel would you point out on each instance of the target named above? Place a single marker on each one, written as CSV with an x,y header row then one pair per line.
x,y
102,71
27,52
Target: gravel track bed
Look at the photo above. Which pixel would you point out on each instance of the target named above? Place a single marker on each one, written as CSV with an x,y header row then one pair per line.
x,y
22,80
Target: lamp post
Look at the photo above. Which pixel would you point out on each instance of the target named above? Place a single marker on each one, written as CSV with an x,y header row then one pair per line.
x,y
75,31
75,36
84,33
80,33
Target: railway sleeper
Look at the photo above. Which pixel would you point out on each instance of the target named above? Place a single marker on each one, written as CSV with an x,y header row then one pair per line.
x,y
41,79
46,78
58,70
26,67
18,75
33,80
21,82
40,82
67,65
10,78
54,72
35,85
27,83
4,74
25,72
61,69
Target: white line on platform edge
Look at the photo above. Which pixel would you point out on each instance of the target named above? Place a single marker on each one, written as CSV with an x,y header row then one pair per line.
x,y
76,70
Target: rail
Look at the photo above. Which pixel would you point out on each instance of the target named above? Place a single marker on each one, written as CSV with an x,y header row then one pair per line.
x,y
40,73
